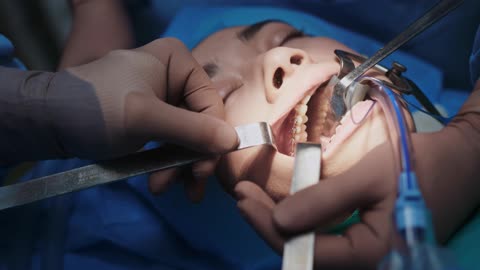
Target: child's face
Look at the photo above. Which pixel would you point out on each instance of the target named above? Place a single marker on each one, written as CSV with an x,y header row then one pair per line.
x,y
263,73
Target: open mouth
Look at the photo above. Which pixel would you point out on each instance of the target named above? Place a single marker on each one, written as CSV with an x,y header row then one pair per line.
x,y
313,120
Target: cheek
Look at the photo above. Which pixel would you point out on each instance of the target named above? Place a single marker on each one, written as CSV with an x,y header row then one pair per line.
x,y
245,107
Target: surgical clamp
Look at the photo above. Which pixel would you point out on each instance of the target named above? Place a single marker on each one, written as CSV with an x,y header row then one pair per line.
x,y
344,94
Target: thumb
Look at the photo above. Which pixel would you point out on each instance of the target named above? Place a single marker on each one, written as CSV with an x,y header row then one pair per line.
x,y
197,131
370,181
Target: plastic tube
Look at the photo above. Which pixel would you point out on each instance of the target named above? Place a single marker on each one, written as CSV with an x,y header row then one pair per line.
x,y
395,120
411,215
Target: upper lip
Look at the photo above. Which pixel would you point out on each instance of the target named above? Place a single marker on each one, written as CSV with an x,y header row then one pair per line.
x,y
281,118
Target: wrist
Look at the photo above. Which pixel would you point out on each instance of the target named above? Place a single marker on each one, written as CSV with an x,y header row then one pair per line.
x,y
75,116
25,125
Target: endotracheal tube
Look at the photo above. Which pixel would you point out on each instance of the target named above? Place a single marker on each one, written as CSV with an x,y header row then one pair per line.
x,y
411,216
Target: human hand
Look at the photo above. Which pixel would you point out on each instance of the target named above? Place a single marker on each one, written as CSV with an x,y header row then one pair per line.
x,y
114,105
369,186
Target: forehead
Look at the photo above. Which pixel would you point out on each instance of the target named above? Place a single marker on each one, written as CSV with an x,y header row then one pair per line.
x,y
231,40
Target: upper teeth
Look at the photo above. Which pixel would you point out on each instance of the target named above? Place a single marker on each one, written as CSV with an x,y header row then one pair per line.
x,y
299,133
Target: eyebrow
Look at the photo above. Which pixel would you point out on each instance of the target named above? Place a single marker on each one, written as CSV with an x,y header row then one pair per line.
x,y
245,35
250,31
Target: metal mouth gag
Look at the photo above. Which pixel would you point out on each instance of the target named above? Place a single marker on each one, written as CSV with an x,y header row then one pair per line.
x,y
345,94
356,91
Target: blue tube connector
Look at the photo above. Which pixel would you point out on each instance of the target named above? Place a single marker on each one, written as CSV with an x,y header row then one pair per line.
x,y
412,217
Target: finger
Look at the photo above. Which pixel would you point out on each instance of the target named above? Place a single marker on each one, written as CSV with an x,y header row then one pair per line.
x,y
201,132
186,78
194,188
196,184
257,210
248,190
361,247
187,81
159,182
368,182
205,168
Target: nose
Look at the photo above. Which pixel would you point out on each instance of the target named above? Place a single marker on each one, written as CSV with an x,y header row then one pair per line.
x,y
279,65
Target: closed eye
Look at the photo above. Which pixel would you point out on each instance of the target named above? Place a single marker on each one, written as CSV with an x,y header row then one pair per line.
x,y
295,33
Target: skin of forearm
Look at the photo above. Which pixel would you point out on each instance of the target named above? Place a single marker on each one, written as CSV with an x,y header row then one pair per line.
x,y
447,166
98,27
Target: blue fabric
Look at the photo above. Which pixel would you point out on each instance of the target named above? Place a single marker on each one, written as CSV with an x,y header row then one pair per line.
x,y
6,47
122,226
381,20
7,54
209,20
475,59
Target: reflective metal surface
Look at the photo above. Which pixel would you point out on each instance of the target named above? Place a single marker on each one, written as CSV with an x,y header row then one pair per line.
x,y
113,170
298,252
343,87
254,134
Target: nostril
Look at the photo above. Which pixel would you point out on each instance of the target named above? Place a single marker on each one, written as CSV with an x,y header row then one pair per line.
x,y
278,78
296,59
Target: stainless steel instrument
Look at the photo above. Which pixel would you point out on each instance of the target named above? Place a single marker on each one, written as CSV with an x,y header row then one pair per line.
x,y
114,170
344,96
298,252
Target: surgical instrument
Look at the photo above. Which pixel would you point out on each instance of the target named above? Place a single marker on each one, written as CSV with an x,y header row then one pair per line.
x,y
399,83
344,96
298,252
113,170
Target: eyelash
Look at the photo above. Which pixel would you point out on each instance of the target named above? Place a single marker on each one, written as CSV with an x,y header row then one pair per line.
x,y
292,35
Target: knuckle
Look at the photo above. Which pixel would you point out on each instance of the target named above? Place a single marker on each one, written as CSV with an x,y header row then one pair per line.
x,y
174,43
